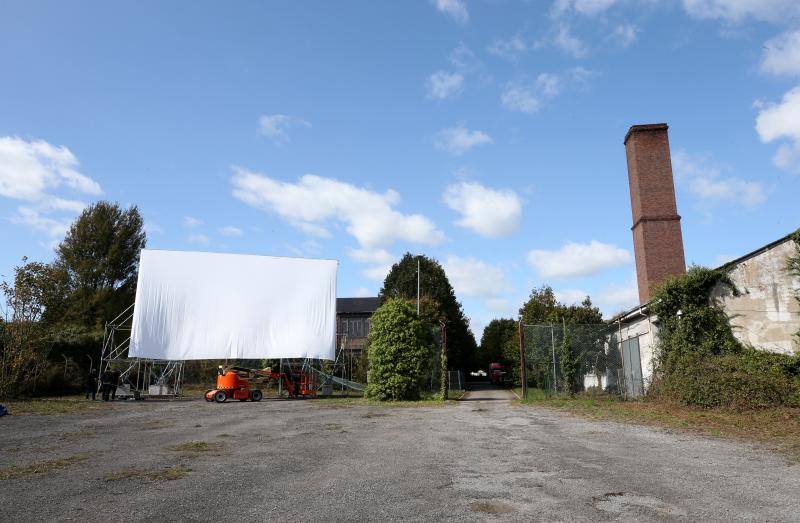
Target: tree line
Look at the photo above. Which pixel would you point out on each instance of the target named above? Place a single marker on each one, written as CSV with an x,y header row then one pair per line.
x,y
52,329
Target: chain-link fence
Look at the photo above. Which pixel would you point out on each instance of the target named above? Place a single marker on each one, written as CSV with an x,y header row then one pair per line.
x,y
593,351
456,382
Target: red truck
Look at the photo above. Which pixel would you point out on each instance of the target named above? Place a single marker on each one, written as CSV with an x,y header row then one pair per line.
x,y
498,376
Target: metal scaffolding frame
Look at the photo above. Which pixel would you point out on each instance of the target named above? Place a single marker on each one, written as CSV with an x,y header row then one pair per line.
x,y
139,377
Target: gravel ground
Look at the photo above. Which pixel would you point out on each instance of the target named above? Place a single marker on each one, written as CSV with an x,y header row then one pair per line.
x,y
480,459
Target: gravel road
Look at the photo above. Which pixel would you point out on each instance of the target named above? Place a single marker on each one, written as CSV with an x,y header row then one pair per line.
x,y
481,459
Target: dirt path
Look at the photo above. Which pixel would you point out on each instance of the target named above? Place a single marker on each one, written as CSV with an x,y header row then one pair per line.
x,y
304,460
485,392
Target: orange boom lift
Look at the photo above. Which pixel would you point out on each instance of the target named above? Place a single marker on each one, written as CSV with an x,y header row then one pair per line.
x,y
240,383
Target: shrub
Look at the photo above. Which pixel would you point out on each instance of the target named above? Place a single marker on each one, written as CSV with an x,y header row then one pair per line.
x,y
400,347
700,362
751,379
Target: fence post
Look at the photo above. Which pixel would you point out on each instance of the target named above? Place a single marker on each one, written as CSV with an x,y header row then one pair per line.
x,y
553,343
523,367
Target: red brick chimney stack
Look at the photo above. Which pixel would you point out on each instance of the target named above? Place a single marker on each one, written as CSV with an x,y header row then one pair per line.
x,y
657,238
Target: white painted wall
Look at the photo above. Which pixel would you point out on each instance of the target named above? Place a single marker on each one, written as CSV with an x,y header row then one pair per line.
x,y
767,314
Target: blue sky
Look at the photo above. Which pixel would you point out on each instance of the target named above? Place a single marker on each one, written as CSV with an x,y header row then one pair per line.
x,y
485,133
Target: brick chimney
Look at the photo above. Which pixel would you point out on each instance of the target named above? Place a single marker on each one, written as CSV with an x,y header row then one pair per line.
x,y
657,238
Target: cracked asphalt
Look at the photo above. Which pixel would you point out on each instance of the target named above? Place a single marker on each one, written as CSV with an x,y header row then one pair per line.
x,y
483,458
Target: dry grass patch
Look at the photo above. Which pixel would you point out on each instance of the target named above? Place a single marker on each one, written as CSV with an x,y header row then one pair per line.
x,y
79,434
40,468
193,449
153,475
777,428
492,507
56,406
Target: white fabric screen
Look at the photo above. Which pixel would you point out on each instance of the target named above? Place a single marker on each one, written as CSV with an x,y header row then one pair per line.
x,y
198,305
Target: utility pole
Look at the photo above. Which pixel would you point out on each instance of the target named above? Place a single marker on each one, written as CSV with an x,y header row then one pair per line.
x,y
444,384
418,277
523,365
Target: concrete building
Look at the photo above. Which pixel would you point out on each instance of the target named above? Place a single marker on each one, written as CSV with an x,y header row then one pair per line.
x,y
765,314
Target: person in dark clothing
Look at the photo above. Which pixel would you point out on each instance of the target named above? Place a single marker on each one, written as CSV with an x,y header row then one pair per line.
x,y
105,384
91,385
115,375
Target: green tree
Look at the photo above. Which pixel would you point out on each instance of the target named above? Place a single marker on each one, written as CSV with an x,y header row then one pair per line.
x,y
569,368
495,338
92,280
587,332
401,282
542,307
24,343
100,256
400,348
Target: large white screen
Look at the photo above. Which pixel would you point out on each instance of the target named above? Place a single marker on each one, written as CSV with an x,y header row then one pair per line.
x,y
198,305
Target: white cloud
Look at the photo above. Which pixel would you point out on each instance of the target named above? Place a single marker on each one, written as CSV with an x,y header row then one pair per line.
x,y
379,256
34,172
782,54
578,259
463,59
471,277
455,9
33,218
276,125
313,201
584,7
778,121
617,298
704,180
306,248
492,213
443,84
623,35
230,230
508,48
563,39
738,10
571,296
520,98
529,98
189,221
377,273
153,228
362,292
29,171
381,262
199,239
458,140
498,305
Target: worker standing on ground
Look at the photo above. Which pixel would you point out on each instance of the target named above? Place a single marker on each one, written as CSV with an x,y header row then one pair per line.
x,y
105,384
115,375
91,385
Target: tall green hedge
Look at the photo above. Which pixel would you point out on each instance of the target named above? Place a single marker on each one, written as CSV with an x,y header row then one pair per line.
x,y
400,348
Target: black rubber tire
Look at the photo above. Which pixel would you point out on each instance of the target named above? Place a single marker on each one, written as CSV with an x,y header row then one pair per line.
x,y
256,395
220,397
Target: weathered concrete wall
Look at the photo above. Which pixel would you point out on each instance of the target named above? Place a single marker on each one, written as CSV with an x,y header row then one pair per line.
x,y
767,313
